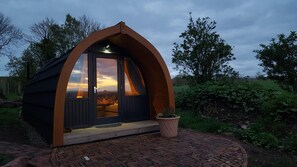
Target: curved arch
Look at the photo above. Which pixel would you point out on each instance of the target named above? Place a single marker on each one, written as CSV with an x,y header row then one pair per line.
x,y
160,97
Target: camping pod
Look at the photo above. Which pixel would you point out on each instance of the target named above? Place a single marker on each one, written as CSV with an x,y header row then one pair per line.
x,y
113,75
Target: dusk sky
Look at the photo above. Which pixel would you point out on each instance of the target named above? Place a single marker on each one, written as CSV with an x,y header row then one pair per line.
x,y
243,24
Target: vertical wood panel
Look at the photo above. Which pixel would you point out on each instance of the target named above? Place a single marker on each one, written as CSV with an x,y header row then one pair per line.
x,y
136,108
76,113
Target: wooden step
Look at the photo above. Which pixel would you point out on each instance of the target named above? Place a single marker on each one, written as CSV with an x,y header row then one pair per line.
x,y
107,132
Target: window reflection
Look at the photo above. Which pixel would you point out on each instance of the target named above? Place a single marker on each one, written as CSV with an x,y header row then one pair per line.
x,y
107,87
134,83
78,82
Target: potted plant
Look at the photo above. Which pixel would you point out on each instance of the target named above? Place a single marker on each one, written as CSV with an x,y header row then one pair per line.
x,y
168,122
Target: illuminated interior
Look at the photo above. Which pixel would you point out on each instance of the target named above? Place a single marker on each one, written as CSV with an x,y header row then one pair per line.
x,y
78,82
134,83
107,87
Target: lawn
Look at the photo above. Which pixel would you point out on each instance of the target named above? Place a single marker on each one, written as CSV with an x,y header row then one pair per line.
x,y
10,126
197,122
11,130
9,117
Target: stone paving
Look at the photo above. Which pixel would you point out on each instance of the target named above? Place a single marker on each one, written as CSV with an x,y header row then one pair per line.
x,y
189,148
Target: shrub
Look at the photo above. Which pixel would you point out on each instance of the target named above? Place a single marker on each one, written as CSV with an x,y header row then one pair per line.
x,y
269,112
247,100
216,97
264,139
290,144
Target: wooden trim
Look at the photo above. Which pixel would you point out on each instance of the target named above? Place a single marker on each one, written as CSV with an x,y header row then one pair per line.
x,y
120,28
58,129
161,62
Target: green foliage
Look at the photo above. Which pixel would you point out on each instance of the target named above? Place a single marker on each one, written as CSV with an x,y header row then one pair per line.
x,y
279,59
13,96
281,106
203,55
168,113
284,161
269,112
264,139
240,97
9,117
214,96
266,160
195,121
289,143
267,85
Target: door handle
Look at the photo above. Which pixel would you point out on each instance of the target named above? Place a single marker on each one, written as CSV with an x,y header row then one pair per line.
x,y
95,89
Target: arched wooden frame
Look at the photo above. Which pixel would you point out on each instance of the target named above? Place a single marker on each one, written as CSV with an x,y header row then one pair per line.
x,y
147,57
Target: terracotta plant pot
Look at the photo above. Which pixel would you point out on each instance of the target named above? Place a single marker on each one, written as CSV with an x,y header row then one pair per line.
x,y
168,126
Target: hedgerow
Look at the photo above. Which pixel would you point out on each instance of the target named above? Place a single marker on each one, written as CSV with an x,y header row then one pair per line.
x,y
263,114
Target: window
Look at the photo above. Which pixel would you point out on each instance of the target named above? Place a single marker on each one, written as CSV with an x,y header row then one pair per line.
x,y
134,83
78,82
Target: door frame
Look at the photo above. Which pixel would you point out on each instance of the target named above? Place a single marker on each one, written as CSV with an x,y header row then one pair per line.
x,y
93,82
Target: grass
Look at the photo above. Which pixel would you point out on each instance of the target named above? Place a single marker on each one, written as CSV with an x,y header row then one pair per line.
x,y
12,96
258,157
178,89
197,122
9,117
268,159
267,84
4,158
11,131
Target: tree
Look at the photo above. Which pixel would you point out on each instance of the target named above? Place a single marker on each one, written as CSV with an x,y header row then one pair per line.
x,y
202,55
49,40
9,35
279,59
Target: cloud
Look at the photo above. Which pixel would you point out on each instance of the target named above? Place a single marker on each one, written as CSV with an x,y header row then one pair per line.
x,y
242,24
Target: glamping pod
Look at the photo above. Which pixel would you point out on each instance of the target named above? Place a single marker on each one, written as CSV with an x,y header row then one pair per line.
x,y
114,75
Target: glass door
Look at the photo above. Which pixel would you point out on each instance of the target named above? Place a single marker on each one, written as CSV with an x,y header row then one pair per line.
x,y
106,90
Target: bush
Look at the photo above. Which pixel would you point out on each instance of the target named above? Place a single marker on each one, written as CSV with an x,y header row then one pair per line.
x,y
269,112
247,100
214,98
290,144
280,106
264,139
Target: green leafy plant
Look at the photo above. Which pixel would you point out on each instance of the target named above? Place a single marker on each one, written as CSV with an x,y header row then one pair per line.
x,y
167,113
264,139
268,112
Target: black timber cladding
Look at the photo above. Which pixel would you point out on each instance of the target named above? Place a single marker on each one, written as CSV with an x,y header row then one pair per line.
x,y
39,97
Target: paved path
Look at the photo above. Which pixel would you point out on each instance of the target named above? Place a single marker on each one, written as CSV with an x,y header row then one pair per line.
x,y
189,148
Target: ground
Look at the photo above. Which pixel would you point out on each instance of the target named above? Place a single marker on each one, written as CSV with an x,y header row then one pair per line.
x,y
14,136
260,157
14,133
257,156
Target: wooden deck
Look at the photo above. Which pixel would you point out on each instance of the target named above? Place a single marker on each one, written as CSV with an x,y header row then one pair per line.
x,y
106,132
